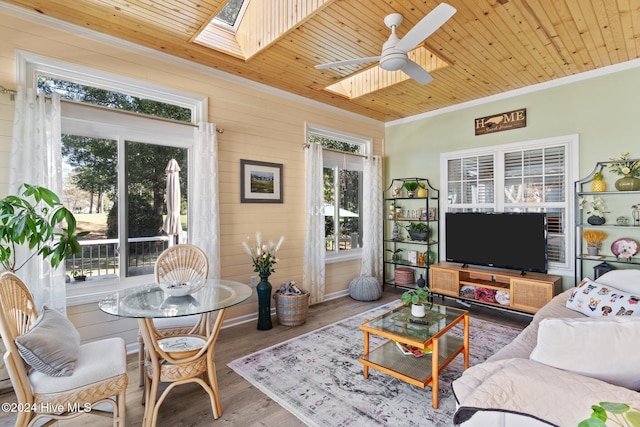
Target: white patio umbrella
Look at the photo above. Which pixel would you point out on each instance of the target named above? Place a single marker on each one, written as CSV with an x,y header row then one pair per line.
x,y
329,210
172,224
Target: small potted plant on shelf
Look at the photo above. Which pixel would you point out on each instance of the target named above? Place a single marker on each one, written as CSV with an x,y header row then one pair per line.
x,y
594,240
629,169
411,187
395,254
418,231
595,207
419,299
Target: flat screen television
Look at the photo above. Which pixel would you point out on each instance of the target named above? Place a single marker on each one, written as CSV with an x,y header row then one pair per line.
x,y
507,240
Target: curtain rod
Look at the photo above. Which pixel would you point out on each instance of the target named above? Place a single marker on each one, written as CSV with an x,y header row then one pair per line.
x,y
307,145
4,90
12,93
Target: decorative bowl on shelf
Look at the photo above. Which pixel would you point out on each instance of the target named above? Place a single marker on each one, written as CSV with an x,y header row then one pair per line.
x,y
180,288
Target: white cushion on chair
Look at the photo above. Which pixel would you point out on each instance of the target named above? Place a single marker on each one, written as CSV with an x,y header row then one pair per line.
x,y
98,360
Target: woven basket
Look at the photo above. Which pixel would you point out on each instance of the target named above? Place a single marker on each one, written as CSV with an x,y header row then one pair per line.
x,y
291,310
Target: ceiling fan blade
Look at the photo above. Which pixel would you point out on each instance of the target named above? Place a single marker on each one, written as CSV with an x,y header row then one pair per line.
x,y
417,73
423,29
348,62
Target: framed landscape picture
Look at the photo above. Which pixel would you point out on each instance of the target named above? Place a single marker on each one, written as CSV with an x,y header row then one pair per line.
x,y
260,182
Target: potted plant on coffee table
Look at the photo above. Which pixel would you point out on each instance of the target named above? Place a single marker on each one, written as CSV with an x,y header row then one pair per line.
x,y
418,299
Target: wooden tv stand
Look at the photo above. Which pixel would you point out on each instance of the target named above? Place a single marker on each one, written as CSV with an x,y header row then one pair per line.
x,y
526,293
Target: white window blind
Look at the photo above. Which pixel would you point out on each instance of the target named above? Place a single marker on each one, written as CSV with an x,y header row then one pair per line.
x,y
534,176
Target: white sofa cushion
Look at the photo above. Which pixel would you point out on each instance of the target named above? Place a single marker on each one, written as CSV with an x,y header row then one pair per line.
x,y
625,280
595,299
604,348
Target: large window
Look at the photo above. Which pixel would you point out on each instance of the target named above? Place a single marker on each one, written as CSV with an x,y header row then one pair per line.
x,y
343,166
533,176
118,137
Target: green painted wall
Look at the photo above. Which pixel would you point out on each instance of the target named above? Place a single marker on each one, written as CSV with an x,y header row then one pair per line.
x,y
604,111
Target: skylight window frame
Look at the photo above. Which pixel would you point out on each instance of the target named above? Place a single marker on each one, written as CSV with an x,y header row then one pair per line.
x,y
233,28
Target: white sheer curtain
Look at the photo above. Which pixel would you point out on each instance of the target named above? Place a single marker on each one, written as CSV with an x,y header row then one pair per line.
x,y
36,159
372,218
204,210
314,250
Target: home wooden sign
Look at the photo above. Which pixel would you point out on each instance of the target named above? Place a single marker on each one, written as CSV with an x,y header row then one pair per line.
x,y
503,121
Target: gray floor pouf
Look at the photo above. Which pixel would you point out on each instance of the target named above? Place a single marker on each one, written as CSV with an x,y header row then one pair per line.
x,y
365,288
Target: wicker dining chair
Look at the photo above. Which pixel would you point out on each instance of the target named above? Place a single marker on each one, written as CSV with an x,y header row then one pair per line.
x,y
97,376
177,368
183,262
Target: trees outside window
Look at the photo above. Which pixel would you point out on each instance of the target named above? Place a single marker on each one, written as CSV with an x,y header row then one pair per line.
x,y
342,159
119,160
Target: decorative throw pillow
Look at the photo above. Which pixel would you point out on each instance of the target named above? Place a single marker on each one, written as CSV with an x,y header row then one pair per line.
x,y
625,280
595,300
52,345
602,348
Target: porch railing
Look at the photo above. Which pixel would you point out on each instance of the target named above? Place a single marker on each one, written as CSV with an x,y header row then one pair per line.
x,y
101,257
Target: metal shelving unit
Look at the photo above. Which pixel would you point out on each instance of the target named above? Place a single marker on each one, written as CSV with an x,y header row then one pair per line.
x,y
421,210
616,201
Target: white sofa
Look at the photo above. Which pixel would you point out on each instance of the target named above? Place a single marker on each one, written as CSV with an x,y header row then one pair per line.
x,y
562,363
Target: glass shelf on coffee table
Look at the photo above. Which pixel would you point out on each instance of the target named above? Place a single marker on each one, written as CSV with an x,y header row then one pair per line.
x,y
434,332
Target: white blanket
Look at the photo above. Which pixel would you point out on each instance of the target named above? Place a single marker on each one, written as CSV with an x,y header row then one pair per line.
x,y
528,388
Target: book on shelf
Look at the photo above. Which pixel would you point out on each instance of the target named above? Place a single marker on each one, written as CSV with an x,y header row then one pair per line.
x,y
409,350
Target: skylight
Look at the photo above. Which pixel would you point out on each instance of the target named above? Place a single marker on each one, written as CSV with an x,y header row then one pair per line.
x,y
375,78
231,13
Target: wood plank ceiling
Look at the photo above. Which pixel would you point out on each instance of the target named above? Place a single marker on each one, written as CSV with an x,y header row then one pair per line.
x,y
491,46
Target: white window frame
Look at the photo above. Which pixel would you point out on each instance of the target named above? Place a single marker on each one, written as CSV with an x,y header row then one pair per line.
x,y
365,143
29,66
570,142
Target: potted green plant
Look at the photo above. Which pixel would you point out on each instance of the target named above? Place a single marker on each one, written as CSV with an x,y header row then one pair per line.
x,y
396,254
418,298
78,276
36,218
595,207
418,231
411,187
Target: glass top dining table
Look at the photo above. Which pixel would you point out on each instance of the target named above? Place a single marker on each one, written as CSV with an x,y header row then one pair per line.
x,y
149,301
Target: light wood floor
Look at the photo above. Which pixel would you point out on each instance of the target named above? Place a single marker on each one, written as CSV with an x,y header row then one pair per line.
x,y
242,404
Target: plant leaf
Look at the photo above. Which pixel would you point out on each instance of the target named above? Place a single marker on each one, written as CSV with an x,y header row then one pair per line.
x,y
614,408
599,412
633,417
592,422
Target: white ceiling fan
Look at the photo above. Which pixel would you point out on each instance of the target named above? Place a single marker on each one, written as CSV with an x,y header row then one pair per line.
x,y
394,50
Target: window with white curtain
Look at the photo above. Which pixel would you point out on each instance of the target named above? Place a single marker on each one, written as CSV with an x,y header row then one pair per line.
x,y
122,156
531,176
343,167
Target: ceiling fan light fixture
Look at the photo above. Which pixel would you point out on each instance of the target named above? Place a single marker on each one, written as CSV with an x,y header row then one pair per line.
x,y
393,61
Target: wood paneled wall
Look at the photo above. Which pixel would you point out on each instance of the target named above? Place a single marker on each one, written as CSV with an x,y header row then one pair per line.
x,y
258,124
6,126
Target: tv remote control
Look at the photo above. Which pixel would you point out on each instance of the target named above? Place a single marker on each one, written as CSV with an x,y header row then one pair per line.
x,y
418,321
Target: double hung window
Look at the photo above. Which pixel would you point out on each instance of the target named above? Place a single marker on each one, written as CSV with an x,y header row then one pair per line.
x,y
343,168
533,176
117,140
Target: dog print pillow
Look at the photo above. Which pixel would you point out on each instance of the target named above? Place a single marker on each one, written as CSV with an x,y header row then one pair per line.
x,y
595,300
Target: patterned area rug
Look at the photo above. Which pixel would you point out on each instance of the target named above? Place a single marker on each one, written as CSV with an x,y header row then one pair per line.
x,y
317,377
